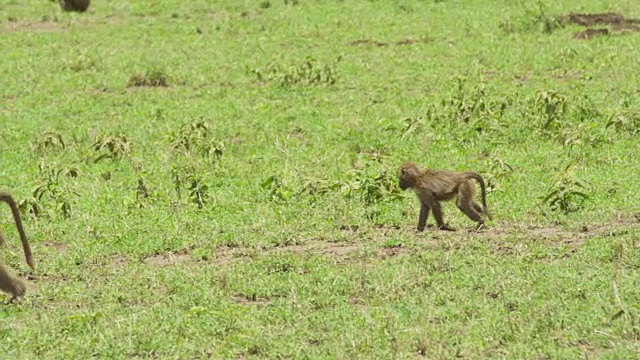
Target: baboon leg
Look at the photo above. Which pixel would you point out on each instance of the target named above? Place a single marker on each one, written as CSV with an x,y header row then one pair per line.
x,y
468,210
437,213
466,204
424,214
481,210
477,207
11,284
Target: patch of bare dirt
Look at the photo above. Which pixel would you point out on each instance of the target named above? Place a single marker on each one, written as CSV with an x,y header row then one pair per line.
x,y
568,75
98,91
367,42
349,227
356,301
407,41
345,252
508,239
60,247
118,261
370,42
501,239
168,259
44,26
337,250
556,236
389,252
340,250
616,21
522,78
155,79
576,237
251,301
591,33
225,255
386,227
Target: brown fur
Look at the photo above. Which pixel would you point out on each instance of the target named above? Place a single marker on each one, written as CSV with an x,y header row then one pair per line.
x,y
432,186
8,283
74,5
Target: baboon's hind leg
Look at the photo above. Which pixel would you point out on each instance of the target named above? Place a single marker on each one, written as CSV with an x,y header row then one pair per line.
x,y
466,204
481,210
477,207
11,284
468,210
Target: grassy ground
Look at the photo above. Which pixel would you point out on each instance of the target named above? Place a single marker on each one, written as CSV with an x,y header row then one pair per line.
x,y
217,179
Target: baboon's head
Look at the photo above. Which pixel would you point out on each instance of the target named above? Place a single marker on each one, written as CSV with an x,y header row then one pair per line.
x,y
408,175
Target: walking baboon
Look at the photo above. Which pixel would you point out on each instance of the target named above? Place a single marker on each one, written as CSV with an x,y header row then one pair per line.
x,y
74,5
432,186
8,283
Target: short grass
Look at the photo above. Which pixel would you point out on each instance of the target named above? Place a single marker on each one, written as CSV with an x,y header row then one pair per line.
x,y
217,179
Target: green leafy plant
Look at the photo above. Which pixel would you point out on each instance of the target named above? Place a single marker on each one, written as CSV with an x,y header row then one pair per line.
x,y
316,189
114,147
405,126
50,141
51,188
581,135
498,170
151,78
567,193
371,185
308,73
198,189
189,178
276,190
533,20
551,108
197,138
627,121
471,106
142,192
81,62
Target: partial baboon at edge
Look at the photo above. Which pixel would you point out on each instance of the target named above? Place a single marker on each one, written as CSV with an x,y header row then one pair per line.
x,y
9,283
74,5
432,186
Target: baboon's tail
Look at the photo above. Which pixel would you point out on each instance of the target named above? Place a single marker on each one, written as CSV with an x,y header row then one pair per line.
x,y
6,197
480,179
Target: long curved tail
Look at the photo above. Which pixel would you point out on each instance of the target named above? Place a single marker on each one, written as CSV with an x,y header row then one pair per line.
x,y
480,179
6,197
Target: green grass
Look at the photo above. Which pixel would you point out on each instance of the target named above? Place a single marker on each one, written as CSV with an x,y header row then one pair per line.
x,y
217,179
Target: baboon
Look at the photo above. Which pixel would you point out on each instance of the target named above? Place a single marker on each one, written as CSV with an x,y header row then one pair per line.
x,y
432,186
74,5
8,283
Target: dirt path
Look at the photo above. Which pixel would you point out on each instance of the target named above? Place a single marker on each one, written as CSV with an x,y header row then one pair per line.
x,y
502,239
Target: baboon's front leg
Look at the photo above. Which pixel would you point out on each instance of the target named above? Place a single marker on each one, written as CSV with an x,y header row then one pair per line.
x,y
437,213
424,214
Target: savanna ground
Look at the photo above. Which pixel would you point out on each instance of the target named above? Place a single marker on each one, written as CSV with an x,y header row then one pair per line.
x,y
217,179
